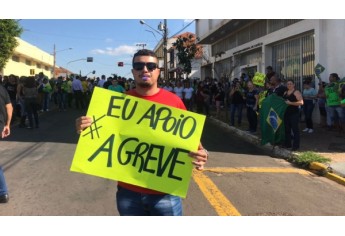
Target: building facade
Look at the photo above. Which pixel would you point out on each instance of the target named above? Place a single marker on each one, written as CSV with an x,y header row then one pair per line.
x,y
292,47
29,60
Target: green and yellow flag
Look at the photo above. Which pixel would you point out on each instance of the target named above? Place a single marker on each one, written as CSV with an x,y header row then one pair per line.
x,y
272,120
259,79
318,69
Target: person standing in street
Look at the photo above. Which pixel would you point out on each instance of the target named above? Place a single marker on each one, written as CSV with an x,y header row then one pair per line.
x,y
294,100
321,101
134,200
276,86
252,101
78,91
309,98
237,100
335,113
6,110
30,93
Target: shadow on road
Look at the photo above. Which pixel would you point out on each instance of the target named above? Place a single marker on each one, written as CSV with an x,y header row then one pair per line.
x,y
55,126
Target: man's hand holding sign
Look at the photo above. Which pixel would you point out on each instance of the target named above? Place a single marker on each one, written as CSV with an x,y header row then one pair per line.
x,y
148,142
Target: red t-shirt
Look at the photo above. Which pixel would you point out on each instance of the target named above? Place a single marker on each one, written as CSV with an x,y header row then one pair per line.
x,y
164,97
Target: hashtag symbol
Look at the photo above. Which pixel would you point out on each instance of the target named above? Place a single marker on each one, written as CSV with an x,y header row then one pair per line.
x,y
94,128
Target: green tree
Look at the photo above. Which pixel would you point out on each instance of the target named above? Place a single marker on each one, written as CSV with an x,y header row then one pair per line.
x,y
187,49
9,30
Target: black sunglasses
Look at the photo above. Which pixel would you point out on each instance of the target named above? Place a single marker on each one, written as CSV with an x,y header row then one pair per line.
x,y
141,65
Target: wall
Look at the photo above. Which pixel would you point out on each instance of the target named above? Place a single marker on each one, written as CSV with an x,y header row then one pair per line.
x,y
26,51
330,48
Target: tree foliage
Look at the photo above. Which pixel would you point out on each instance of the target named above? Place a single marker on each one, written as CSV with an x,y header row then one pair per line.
x,y
186,51
9,29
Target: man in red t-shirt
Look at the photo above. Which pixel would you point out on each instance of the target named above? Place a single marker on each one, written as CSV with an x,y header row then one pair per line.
x,y
134,200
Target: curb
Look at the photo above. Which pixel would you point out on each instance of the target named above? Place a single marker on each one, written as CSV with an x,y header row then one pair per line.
x,y
327,172
317,167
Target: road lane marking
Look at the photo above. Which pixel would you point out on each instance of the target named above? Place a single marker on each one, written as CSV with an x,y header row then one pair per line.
x,y
216,198
258,170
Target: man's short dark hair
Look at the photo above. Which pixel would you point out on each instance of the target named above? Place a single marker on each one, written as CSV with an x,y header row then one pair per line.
x,y
276,75
144,52
335,75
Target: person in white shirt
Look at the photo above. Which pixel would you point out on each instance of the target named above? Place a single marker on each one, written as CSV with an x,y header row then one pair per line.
x,y
188,93
77,88
168,87
101,81
178,90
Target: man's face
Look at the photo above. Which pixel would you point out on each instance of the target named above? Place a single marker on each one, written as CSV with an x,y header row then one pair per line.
x,y
12,80
145,71
273,81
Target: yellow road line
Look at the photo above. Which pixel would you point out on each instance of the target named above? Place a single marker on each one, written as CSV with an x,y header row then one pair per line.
x,y
258,170
216,198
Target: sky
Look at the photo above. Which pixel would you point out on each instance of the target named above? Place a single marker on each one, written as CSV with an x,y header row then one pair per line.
x,y
108,41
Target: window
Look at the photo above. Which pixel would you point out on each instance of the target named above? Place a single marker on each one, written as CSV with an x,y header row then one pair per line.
x,y
249,33
295,59
172,58
28,62
15,58
276,24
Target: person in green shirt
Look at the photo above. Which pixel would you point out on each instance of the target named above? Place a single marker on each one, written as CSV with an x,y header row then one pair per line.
x,y
333,103
47,89
116,86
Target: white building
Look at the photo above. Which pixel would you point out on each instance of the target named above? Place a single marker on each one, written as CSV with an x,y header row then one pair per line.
x,y
29,60
292,47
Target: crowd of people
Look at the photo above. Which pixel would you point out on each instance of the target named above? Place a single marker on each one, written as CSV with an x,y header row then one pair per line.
x,y
31,95
243,96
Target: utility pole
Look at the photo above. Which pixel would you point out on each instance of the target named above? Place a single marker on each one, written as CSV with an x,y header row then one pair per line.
x,y
162,27
54,55
165,42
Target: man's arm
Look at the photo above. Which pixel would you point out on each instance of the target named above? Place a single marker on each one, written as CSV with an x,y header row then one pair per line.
x,y
7,130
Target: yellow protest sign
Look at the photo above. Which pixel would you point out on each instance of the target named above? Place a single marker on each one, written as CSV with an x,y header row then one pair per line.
x,y
138,142
259,79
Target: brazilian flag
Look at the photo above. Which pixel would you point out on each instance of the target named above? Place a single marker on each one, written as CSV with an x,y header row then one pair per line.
x,y
318,69
272,120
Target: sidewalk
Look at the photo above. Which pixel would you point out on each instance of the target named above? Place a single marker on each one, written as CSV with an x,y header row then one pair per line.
x,y
330,144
